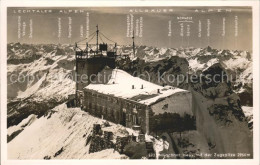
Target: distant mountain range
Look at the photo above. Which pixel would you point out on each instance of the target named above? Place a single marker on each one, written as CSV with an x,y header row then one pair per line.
x,y
224,106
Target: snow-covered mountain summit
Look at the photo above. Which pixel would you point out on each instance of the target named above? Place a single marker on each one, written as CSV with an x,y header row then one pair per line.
x,y
48,71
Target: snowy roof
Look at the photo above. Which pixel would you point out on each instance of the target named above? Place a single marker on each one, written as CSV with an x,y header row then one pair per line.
x,y
121,85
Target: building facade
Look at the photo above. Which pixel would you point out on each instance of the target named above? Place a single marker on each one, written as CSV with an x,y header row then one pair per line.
x,y
133,102
117,110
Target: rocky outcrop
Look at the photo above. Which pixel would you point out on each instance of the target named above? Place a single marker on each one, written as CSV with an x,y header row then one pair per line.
x,y
128,145
22,108
219,116
162,72
217,108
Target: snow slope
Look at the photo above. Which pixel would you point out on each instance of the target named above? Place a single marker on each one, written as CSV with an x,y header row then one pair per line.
x,y
61,128
65,131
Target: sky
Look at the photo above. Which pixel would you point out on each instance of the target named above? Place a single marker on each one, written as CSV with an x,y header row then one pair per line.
x,y
218,27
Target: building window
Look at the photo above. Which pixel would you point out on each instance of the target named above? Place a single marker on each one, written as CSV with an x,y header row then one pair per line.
x,y
116,115
126,117
129,118
139,120
109,113
134,120
112,115
103,110
134,110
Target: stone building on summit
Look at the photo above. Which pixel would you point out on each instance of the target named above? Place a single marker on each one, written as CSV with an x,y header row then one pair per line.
x,y
127,100
134,102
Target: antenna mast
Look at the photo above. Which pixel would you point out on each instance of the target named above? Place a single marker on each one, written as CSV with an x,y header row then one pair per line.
x,y
97,38
133,42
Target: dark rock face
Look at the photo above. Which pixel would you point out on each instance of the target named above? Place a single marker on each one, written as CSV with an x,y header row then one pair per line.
x,y
22,108
172,122
219,87
127,145
98,144
135,150
157,72
120,144
58,152
217,105
222,113
13,135
246,97
98,141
